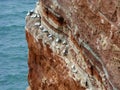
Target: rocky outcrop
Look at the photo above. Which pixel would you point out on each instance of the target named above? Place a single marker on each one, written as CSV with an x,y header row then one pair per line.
x,y
74,45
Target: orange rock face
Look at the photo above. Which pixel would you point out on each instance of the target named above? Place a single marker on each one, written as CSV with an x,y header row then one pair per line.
x,y
74,45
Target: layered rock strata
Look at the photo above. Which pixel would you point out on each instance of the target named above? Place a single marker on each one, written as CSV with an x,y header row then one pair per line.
x,y
74,45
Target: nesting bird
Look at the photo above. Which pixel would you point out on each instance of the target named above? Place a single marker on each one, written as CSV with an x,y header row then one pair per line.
x,y
38,15
74,70
41,27
37,3
37,24
64,42
45,30
58,40
34,15
30,12
50,36
73,66
65,52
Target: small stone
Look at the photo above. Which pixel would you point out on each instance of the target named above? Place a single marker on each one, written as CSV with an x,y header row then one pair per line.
x,y
37,24
112,26
57,47
28,88
58,40
103,79
118,25
102,21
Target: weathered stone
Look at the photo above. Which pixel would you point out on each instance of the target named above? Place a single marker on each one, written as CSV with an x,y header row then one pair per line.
x,y
84,53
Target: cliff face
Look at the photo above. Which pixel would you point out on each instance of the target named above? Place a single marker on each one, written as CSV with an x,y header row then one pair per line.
x,y
74,45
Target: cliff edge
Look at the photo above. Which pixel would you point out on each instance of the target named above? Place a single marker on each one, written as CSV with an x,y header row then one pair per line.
x,y
74,45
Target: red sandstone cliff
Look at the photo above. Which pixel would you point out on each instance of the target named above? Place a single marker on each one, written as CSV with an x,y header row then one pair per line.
x,y
74,45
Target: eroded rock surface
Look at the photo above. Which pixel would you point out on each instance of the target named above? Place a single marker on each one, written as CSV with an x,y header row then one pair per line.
x,y
74,45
